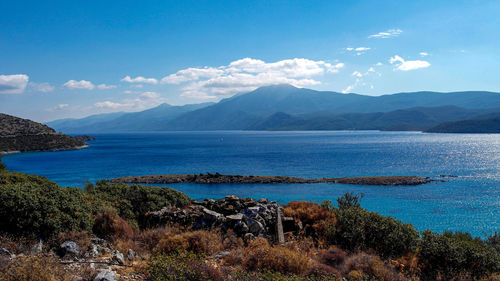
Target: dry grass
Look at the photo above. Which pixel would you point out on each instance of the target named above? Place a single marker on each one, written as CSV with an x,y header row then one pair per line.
x,y
259,255
35,268
333,256
82,238
323,272
370,266
201,241
314,218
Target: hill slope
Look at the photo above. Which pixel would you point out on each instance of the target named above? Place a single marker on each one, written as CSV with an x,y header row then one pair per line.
x,y
17,134
490,126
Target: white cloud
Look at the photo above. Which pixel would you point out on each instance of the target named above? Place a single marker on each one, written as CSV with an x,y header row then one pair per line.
x,y
41,87
145,100
105,87
58,107
13,84
358,50
357,74
405,65
248,74
423,54
387,34
348,89
139,79
379,64
82,84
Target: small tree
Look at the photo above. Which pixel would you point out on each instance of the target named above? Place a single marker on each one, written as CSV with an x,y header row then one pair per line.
x,y
349,200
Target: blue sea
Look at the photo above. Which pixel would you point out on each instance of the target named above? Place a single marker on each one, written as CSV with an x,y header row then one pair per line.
x,y
469,202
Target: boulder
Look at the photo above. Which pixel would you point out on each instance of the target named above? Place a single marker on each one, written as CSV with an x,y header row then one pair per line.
x,y
255,227
5,255
131,255
69,248
212,215
38,248
117,257
106,275
236,217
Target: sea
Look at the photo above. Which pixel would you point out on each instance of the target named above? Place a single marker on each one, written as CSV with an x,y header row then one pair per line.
x,y
468,198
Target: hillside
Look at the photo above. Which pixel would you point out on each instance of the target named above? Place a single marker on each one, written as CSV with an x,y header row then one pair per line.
x,y
490,126
17,134
411,119
148,120
307,110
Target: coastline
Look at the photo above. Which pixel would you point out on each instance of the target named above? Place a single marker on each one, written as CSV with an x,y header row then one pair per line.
x,y
45,150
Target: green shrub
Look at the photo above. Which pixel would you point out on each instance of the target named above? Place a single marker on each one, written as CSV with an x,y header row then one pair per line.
x,y
2,165
35,207
132,202
450,255
358,229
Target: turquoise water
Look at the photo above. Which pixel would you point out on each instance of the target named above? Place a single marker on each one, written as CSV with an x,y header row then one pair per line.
x,y
470,202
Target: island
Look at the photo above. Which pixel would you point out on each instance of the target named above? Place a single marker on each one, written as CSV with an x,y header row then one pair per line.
x,y
217,178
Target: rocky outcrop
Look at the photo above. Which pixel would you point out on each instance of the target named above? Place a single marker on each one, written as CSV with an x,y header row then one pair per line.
x,y
237,179
247,217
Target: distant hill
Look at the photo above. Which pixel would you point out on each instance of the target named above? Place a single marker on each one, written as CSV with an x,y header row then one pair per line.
x,y
490,126
284,107
17,134
148,120
412,119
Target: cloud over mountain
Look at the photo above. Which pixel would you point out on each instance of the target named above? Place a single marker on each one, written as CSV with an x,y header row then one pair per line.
x,y
248,74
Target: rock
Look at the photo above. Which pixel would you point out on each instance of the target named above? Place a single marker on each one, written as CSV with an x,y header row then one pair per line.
x,y
38,248
212,215
241,227
131,255
221,255
106,275
256,228
5,255
236,217
231,198
69,248
248,237
118,257
263,201
94,251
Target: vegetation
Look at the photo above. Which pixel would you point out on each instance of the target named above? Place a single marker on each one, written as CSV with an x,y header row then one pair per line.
x,y
483,125
339,241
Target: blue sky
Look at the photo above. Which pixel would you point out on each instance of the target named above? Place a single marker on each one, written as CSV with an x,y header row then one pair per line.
x,y
63,59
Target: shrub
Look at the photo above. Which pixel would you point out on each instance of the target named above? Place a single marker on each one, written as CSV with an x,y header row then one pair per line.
x,y
323,272
357,228
110,226
35,207
182,266
314,218
363,266
200,241
2,165
132,202
349,200
450,255
35,268
333,256
259,255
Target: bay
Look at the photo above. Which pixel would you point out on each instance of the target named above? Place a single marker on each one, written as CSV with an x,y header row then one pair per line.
x,y
469,202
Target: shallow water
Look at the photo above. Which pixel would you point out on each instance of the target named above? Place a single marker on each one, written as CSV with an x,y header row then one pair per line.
x,y
470,202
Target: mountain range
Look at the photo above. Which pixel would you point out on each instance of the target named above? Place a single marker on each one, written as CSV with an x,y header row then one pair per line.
x,y
284,107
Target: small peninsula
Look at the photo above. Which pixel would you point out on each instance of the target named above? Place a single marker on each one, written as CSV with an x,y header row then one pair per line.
x,y
238,179
23,135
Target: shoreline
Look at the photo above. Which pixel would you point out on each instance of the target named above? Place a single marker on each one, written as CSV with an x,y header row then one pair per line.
x,y
252,179
45,150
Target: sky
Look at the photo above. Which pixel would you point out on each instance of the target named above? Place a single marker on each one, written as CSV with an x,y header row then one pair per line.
x,y
61,59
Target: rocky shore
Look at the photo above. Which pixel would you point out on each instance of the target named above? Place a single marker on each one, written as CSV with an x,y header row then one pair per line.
x,y
238,179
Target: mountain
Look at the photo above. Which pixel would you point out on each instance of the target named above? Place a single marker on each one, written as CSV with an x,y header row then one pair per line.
x,y
17,134
246,110
490,126
284,107
412,119
147,120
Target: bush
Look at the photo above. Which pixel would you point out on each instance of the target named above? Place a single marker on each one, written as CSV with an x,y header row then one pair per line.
x,y
200,241
259,255
333,256
132,202
450,255
2,165
35,268
35,207
323,272
314,218
363,266
182,266
110,226
358,229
